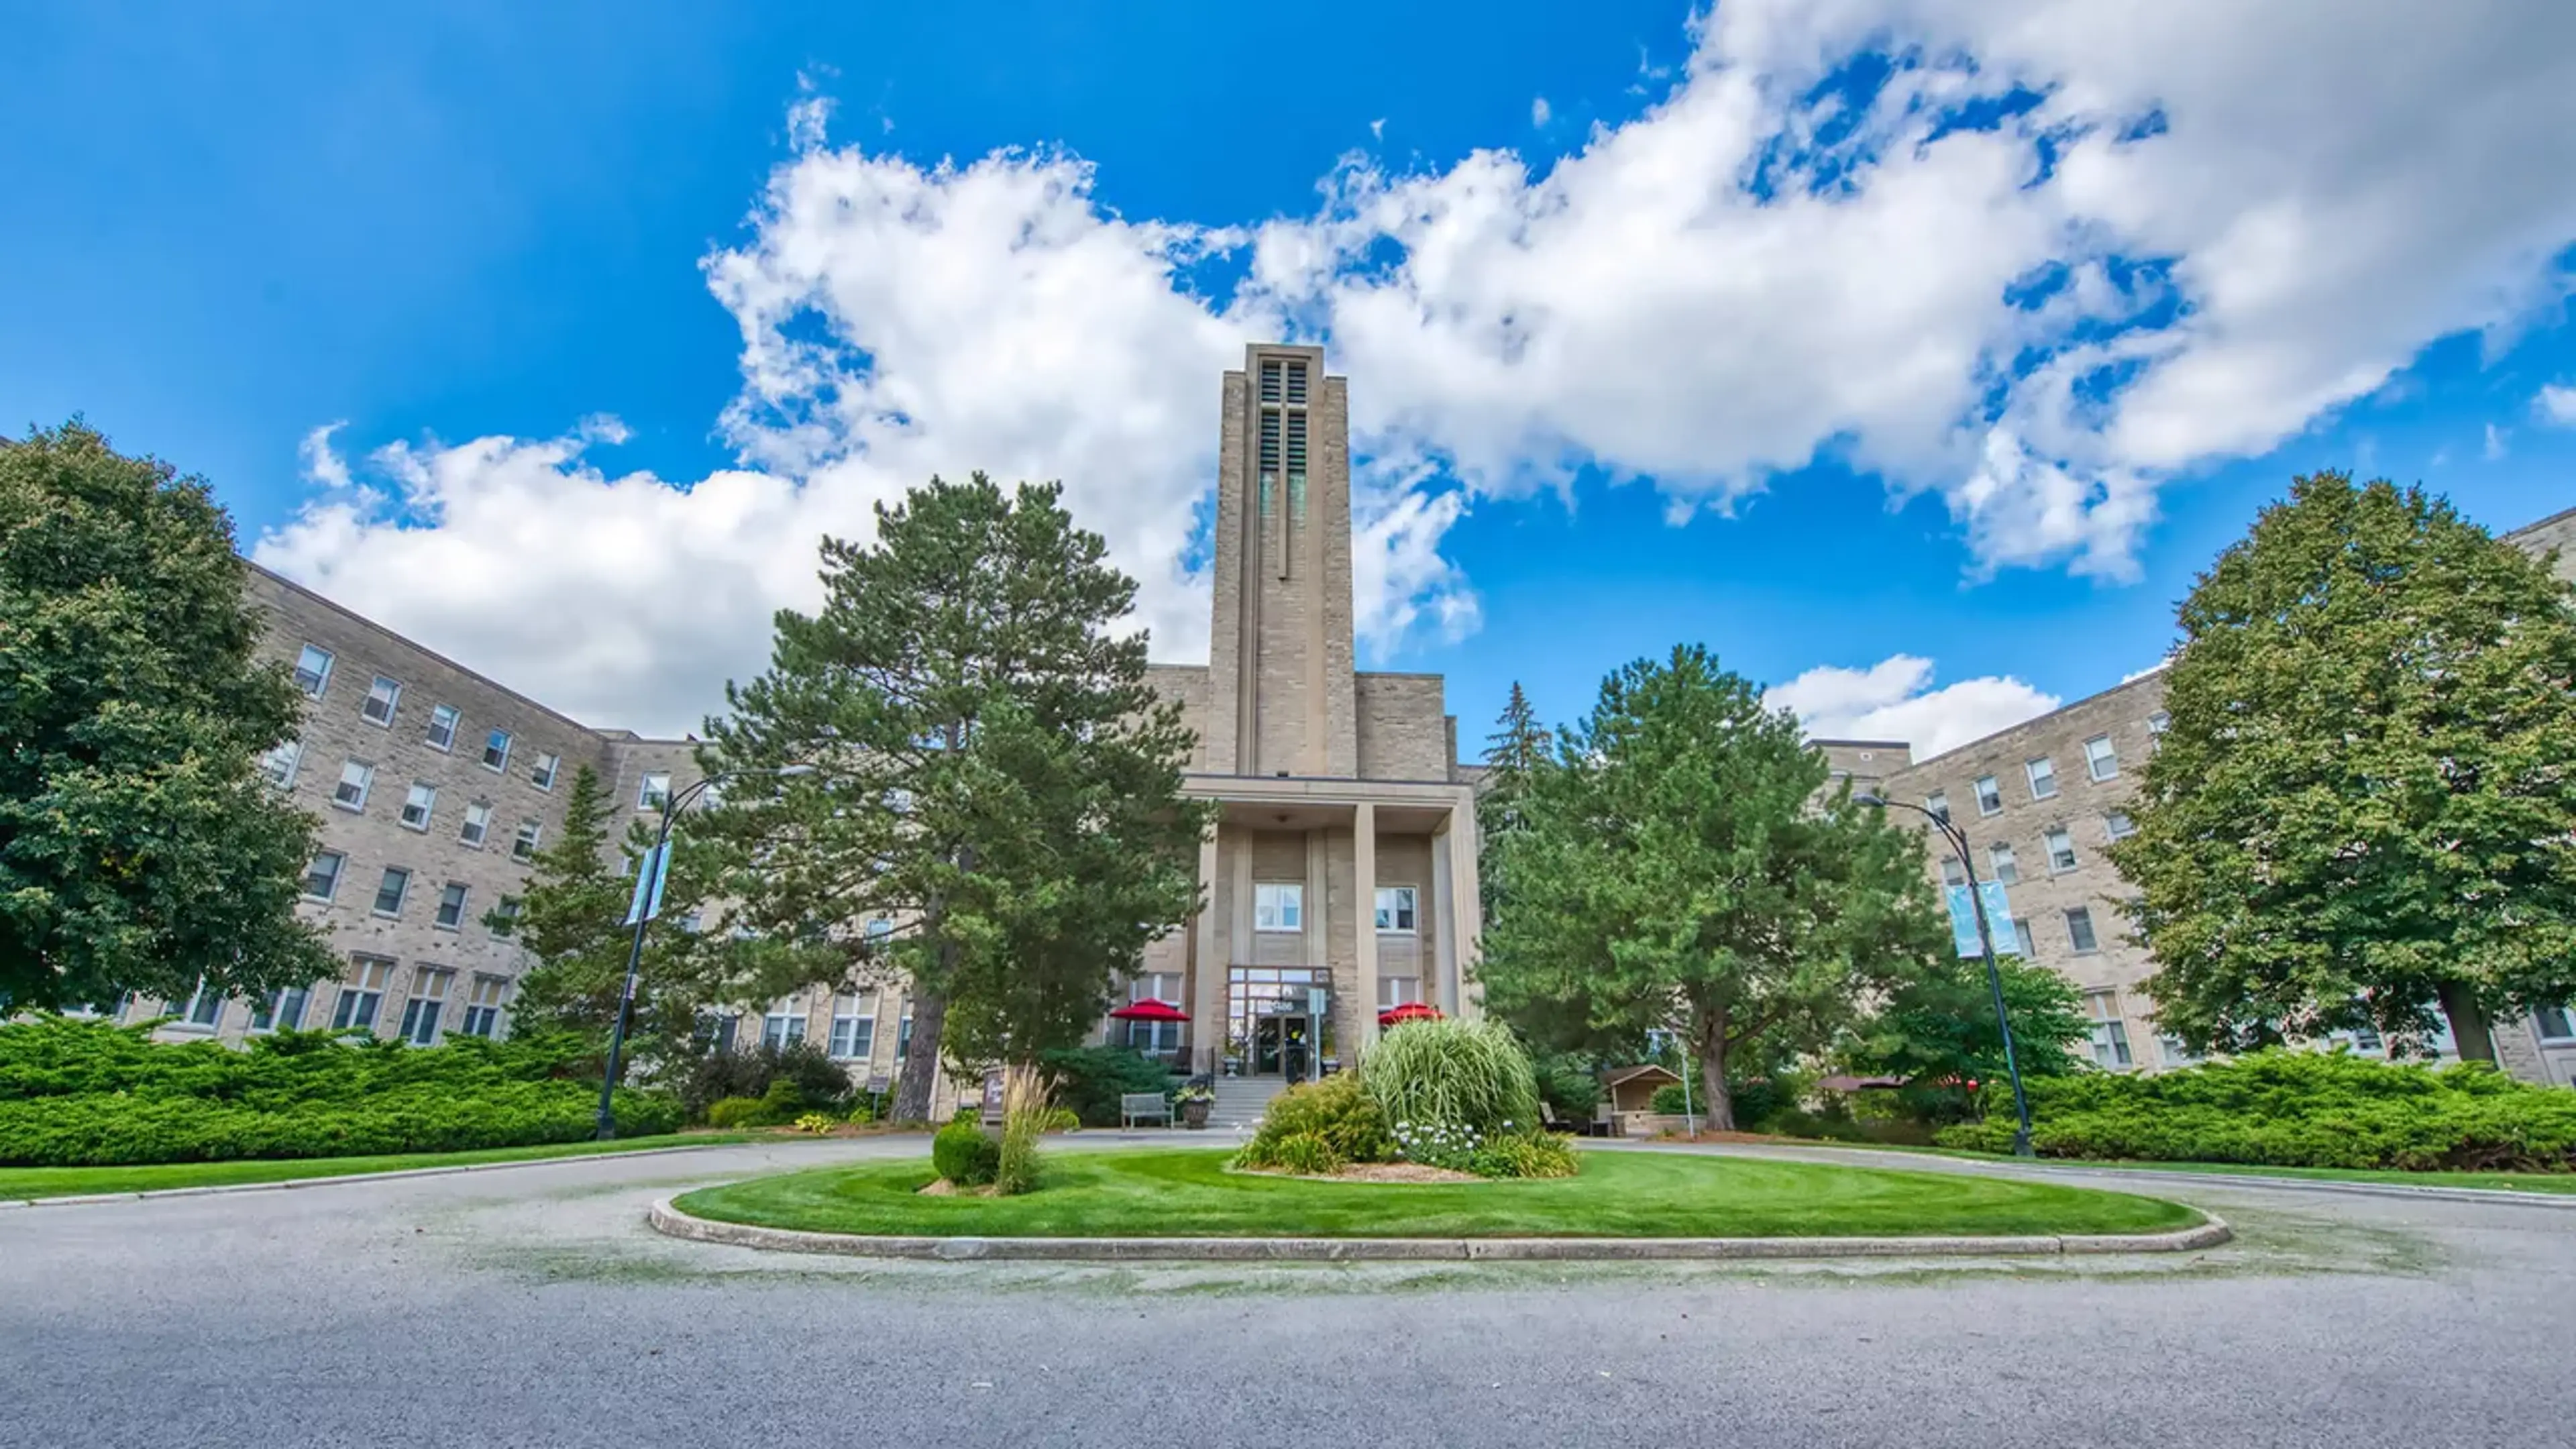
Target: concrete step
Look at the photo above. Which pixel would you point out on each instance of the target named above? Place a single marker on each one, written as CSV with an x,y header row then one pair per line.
x,y
1240,1101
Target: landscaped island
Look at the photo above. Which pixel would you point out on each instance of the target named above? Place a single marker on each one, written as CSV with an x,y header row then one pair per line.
x,y
1153,1193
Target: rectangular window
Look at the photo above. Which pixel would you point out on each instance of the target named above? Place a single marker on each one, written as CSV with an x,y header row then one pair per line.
x,y
2158,723
381,698
355,780
442,727
483,1008
281,1011
1395,991
2029,942
278,765
313,670
655,790
903,1034
2101,761
422,799
854,1027
322,877
203,1008
784,1025
2007,869
2556,1023
525,846
496,750
1395,909
428,997
451,907
2042,776
508,911
1938,802
1990,796
548,766
362,993
478,823
1279,907
1154,1036
2174,1053
1951,874
2117,825
389,891
2061,851
2110,1034
2079,930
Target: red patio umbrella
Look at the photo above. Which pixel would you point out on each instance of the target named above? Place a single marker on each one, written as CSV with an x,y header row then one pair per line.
x,y
1150,1010
1409,1011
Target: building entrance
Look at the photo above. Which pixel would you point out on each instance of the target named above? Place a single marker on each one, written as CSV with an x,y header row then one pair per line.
x,y
1284,1046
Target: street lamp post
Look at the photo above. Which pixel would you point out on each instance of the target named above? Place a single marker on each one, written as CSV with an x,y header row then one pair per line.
x,y
606,1125
1958,840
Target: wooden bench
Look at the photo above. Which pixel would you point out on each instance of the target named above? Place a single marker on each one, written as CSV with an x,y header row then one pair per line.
x,y
1135,1107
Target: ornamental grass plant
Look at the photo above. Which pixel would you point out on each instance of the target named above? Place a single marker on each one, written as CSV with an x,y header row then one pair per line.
x,y
1453,1073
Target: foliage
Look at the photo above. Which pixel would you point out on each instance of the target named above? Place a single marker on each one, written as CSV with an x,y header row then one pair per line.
x,y
1937,1031
2361,811
995,776
1755,1101
1449,1145
1523,1154
1568,1084
1304,1154
784,1099
1028,1108
1091,1079
1063,1119
731,1112
860,1113
964,1155
819,1081
1677,862
817,1123
140,848
92,1093
1336,1112
2300,1109
1189,1092
1518,746
1671,1101
1454,1071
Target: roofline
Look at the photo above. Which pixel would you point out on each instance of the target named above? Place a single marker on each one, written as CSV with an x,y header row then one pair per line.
x,y
1868,744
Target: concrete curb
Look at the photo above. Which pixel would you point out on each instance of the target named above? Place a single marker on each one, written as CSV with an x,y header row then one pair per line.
x,y
671,1222
82,1198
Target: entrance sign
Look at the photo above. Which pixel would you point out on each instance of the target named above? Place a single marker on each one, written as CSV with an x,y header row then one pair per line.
x,y
993,1096
1963,920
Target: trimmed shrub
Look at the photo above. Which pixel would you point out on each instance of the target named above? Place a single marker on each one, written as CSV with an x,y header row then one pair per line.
x,y
1671,1101
860,1114
1305,1154
1062,1119
1337,1112
1467,1073
1090,1080
819,1081
733,1112
964,1155
817,1123
1529,1154
2286,1108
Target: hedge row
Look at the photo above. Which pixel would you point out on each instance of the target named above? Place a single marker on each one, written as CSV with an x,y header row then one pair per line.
x,y
2298,1109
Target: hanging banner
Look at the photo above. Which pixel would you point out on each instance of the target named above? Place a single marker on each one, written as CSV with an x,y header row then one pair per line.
x,y
1963,920
649,876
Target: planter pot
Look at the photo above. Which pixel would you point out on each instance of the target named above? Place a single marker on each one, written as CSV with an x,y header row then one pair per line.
x,y
1195,1114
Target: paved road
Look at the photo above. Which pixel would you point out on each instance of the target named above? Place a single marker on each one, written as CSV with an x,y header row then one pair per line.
x,y
529,1307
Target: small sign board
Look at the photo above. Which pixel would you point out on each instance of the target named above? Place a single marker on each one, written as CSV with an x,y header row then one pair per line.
x,y
993,1097
1314,1001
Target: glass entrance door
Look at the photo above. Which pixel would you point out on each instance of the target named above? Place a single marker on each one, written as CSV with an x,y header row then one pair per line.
x,y
1283,1046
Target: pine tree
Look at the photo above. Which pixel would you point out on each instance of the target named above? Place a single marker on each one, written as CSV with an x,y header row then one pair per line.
x,y
993,775
2362,812
570,921
140,849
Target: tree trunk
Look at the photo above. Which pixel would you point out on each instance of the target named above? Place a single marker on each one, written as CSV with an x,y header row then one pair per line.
x,y
1717,1107
2471,1034
921,1062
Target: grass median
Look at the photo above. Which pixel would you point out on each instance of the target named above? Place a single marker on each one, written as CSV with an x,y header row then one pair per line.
x,y
19,1184
1188,1193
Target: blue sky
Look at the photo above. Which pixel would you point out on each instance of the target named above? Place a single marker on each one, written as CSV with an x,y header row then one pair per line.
x,y
1866,336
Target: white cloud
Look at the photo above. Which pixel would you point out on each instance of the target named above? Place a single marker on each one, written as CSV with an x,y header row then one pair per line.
x,y
1377,129
2556,404
2495,442
1893,700
1539,112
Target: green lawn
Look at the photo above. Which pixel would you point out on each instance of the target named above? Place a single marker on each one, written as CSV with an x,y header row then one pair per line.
x,y
18,1184
2545,1182
1187,1193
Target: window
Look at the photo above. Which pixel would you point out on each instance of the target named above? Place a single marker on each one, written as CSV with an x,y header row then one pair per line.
x,y
655,792
2110,1034
442,727
880,929
203,1008
508,911
2007,869
543,777
2079,930
1395,991
428,995
1395,909
422,799
2170,1048
2042,776
1278,908
903,1034
2029,942
496,750
363,993
389,891
1154,1036
313,670
1951,874
322,877
478,823
1990,795
1938,802
2061,851
525,846
282,1011
2556,1023
355,778
2101,761
784,1026
451,907
716,1030
2117,825
483,1008
854,1027
2158,723
381,696
279,764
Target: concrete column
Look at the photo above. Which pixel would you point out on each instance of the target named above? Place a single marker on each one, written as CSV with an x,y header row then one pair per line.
x,y
1444,954
1208,963
1466,923
1364,927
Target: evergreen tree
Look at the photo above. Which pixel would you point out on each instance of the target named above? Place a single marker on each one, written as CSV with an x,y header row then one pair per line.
x,y
994,776
2362,812
140,849
1518,745
569,920
1672,867
1937,1025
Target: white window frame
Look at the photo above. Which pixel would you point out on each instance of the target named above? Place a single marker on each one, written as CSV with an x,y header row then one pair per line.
x,y
530,839
477,825
399,877
2095,763
1952,873
421,797
2158,723
649,797
366,783
202,1011
2026,938
462,893
1990,795
2111,1049
2057,840
1938,803
1395,991
2040,770
501,740
388,689
361,1001
1398,910
854,1030
782,1025
420,1027
288,754
339,868
483,1007
442,717
2073,942
2566,1015
271,1014
1279,907
2112,820
304,667
2004,865
548,767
